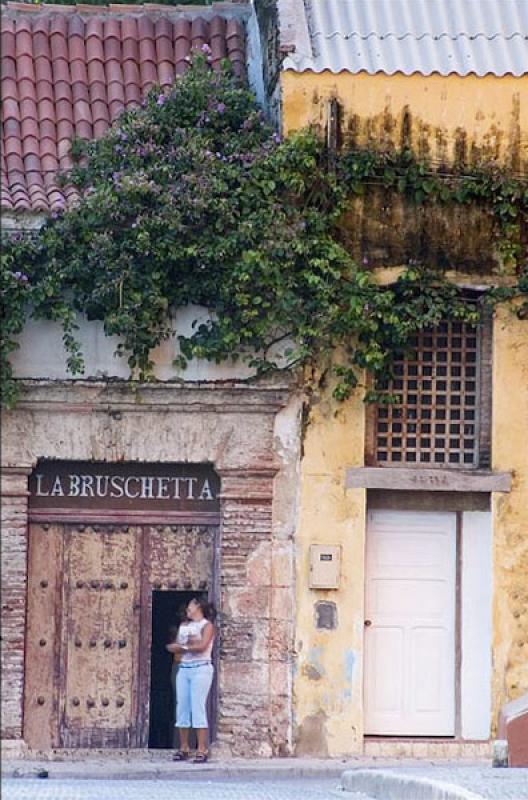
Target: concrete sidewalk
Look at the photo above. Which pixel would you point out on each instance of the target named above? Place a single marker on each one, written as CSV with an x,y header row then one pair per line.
x,y
146,766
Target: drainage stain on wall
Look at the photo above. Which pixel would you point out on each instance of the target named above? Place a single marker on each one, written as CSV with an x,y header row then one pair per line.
x,y
452,122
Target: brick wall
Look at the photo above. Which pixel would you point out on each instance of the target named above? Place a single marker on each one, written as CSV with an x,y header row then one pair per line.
x,y
256,620
14,579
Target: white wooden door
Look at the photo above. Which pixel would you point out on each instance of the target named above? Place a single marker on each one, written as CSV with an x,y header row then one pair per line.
x,y
410,641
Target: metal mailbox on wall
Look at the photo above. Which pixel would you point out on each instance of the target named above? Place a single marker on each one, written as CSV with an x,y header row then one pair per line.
x,y
325,566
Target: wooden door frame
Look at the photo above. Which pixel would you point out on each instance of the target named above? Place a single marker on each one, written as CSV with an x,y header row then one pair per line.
x,y
457,687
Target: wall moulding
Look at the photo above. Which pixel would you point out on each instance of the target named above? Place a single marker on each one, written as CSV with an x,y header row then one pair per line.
x,y
123,517
125,396
431,480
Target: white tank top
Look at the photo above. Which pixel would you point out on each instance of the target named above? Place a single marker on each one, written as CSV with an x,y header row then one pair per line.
x,y
188,629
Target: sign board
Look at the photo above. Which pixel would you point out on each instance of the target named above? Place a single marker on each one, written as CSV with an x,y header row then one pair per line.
x,y
128,486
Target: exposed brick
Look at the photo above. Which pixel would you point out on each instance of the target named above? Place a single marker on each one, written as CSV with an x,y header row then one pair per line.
x,y
14,583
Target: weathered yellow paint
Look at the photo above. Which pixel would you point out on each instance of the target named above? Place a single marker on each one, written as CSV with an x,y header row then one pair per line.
x,y
453,120
447,119
328,686
510,512
328,697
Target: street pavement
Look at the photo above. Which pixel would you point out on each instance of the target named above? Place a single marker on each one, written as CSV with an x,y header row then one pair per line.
x,y
217,789
276,779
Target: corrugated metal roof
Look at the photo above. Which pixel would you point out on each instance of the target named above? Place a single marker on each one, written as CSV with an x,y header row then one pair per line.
x,y
427,36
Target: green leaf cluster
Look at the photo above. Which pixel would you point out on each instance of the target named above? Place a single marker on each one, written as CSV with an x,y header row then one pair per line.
x,y
194,199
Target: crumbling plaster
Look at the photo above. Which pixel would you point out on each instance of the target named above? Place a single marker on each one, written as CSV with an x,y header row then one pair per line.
x,y
510,511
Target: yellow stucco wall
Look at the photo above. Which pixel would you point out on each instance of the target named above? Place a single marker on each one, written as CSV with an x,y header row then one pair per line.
x,y
443,118
328,681
510,511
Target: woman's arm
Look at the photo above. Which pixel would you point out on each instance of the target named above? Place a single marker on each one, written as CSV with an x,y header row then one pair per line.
x,y
204,642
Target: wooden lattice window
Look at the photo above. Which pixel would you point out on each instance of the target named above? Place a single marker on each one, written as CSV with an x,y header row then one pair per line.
x,y
442,414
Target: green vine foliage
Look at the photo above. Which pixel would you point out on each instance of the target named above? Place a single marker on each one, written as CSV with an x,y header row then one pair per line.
x,y
505,196
194,199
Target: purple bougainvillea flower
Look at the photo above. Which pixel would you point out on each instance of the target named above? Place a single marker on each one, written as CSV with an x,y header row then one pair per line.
x,y
206,49
20,276
221,108
161,100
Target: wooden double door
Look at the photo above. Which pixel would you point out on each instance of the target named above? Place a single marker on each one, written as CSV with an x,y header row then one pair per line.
x,y
89,631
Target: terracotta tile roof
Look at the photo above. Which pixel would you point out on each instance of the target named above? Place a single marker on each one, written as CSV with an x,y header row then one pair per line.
x,y
71,70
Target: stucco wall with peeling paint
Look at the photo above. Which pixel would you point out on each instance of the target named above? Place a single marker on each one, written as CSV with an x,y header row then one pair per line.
x,y
510,511
451,121
328,679
447,119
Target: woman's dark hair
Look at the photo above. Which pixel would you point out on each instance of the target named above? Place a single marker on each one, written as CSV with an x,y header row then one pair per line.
x,y
173,633
208,609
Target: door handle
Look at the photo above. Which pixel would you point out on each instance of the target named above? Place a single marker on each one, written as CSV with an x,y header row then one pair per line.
x,y
367,623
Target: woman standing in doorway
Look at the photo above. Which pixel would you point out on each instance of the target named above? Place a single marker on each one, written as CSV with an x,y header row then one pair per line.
x,y
195,675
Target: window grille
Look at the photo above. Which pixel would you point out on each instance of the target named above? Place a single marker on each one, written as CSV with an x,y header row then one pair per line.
x,y
441,417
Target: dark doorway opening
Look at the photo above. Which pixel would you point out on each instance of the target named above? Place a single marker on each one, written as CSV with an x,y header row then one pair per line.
x,y
168,610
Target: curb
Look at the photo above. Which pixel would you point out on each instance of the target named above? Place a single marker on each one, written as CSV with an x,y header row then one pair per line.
x,y
384,785
169,771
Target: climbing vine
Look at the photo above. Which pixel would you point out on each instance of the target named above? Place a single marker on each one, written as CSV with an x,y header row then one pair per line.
x,y
194,199
504,196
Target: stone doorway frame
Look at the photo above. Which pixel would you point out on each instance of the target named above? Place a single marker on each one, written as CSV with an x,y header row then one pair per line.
x,y
256,576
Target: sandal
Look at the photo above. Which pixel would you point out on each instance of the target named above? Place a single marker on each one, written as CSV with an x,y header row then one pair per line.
x,y
200,758
180,755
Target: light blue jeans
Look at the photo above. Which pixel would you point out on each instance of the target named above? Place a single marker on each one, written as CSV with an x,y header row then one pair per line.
x,y
193,683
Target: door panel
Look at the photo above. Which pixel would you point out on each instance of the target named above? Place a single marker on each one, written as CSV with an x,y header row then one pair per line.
x,y
101,636
42,670
174,557
410,644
